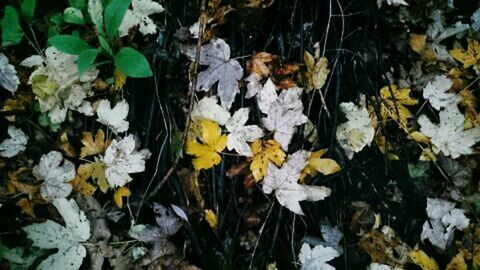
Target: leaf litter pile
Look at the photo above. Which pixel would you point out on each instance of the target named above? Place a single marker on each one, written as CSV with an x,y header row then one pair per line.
x,y
241,134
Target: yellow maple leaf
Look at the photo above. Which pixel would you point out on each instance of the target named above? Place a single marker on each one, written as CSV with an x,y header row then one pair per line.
x,y
120,194
92,147
80,183
394,101
318,164
418,43
207,151
421,259
468,57
211,218
469,101
317,71
263,152
98,174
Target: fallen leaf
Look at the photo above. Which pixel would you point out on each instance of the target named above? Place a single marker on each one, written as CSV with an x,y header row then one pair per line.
x,y
80,183
91,147
114,117
457,263
263,153
240,133
421,259
8,75
317,164
121,193
316,258
139,15
66,146
227,72
468,57
207,151
394,102
258,64
211,218
17,143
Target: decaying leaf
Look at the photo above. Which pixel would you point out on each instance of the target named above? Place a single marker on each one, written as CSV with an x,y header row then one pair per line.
x,y
67,239
80,182
468,57
120,193
394,102
263,153
121,158
138,15
207,151
114,117
284,182
317,257
317,71
8,75
221,69
56,178
437,93
92,147
357,132
17,143
240,134
421,259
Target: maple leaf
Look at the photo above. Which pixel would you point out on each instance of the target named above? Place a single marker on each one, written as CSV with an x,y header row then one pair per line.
x,y
357,132
469,57
317,71
66,146
420,258
258,64
114,117
120,194
121,158
8,75
207,151
394,102
263,153
316,258
318,164
92,147
284,182
80,183
436,93
67,239
98,174
284,114
240,134
444,218
449,136
17,143
227,72
26,206
138,15
207,108
15,186
56,178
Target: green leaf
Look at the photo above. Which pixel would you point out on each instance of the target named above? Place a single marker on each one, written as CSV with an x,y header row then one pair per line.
x,y
132,63
80,4
104,45
28,9
73,15
86,59
56,18
69,44
418,170
95,10
114,13
11,32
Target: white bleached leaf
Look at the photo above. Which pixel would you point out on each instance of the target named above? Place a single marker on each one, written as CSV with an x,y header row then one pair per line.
x,y
253,86
267,96
378,266
284,182
396,3
436,92
240,134
316,258
444,219
17,142
284,115
357,132
67,239
207,108
56,178
437,31
227,72
121,158
449,135
114,117
166,219
8,75
138,15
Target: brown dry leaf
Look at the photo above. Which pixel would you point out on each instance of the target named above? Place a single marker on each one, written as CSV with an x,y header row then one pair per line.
x,y
287,69
259,3
19,103
317,71
216,13
120,80
258,64
469,101
26,207
418,43
92,147
14,186
383,247
120,194
100,85
66,146
80,183
190,185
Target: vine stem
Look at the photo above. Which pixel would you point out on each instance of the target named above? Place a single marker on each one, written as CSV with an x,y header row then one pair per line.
x,y
170,171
